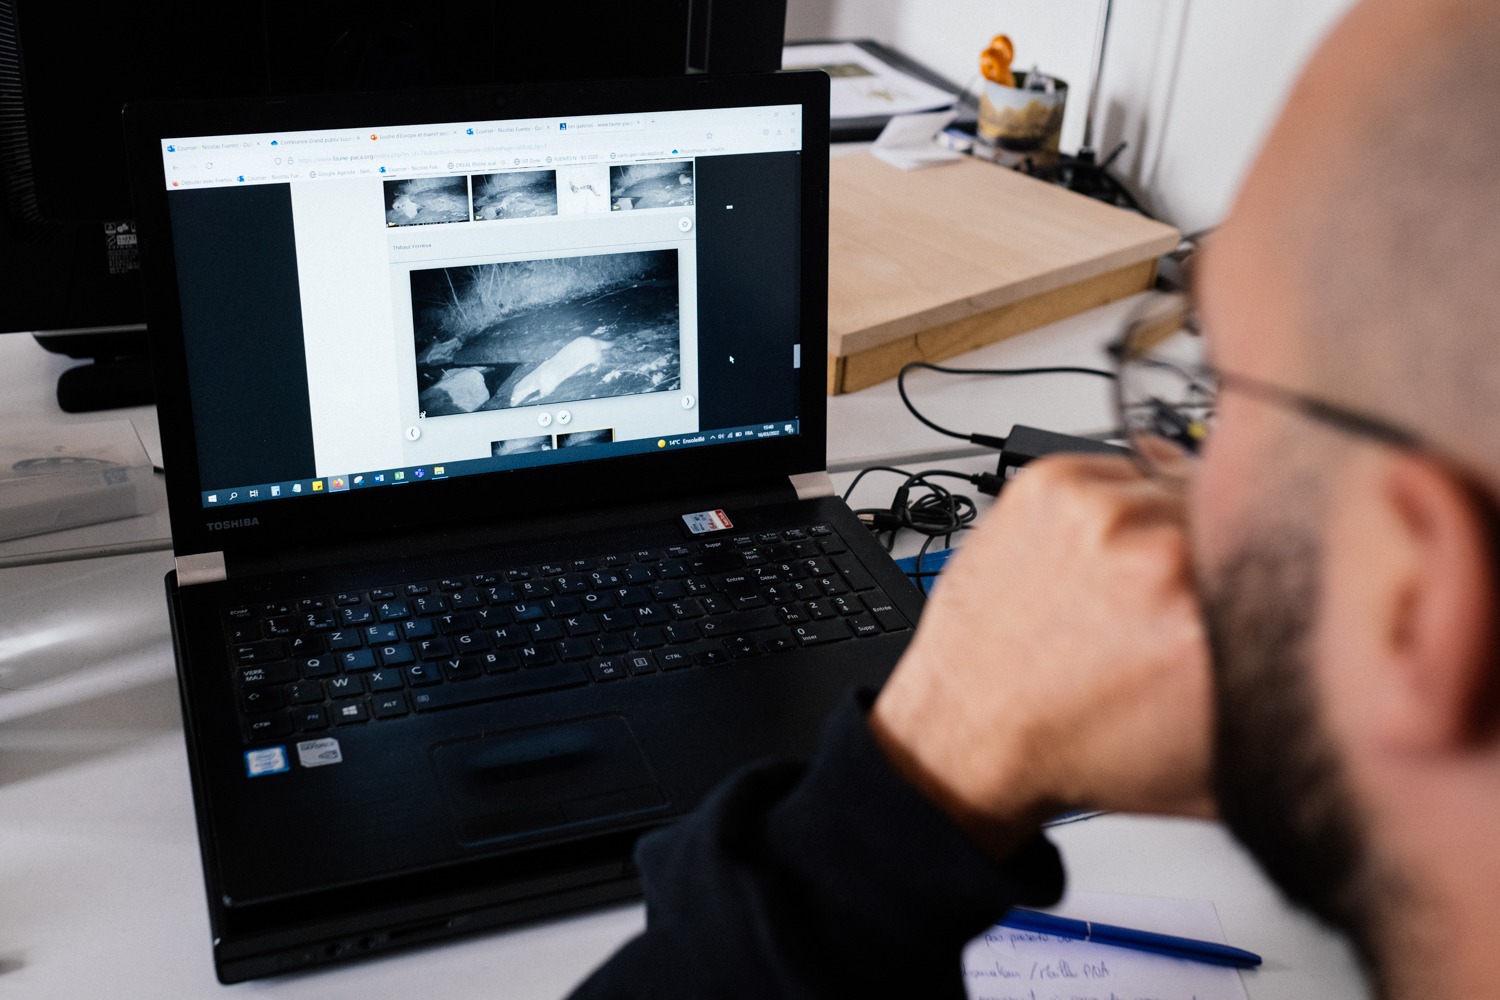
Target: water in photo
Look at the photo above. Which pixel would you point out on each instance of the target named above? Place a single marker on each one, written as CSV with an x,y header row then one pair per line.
x,y
422,201
651,185
520,194
519,333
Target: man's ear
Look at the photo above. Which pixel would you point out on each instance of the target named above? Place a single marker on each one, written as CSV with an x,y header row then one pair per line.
x,y
1438,635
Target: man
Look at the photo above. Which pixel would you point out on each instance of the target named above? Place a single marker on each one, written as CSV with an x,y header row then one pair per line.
x,y
1336,552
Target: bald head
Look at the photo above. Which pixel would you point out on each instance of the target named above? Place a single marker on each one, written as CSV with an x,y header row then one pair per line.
x,y
1372,219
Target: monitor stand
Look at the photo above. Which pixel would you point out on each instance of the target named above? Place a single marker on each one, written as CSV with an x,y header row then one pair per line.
x,y
119,376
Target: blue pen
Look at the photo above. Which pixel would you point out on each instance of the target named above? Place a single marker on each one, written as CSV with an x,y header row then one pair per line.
x,y
1124,937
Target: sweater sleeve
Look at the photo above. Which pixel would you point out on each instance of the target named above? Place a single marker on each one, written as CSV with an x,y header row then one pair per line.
x,y
834,878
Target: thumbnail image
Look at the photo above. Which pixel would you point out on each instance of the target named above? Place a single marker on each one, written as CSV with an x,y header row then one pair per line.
x,y
422,201
582,189
651,185
520,446
522,194
523,332
573,440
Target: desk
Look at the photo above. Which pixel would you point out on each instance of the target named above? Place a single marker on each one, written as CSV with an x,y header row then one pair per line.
x,y
99,867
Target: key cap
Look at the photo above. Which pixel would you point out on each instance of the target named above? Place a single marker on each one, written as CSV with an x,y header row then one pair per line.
x,y
641,663
580,625
383,594
852,572
485,579
344,713
320,666
491,618
311,719
818,566
697,586
614,621
646,638
617,560
240,614
267,673
806,550
651,614
741,647
429,605
579,565
417,589
546,630
559,606
317,621
599,600
391,611
884,611
422,674
395,655
685,609
261,699
432,649
716,605
376,634
575,649
463,668
498,662
831,585
793,534
791,614
571,583
259,652
666,590
671,569
244,633
276,608
514,575
607,670
305,645
344,600
678,552
710,657
740,621
385,680
389,706
674,660
553,569
680,632
527,612
463,599
863,625
472,643
742,541
534,590
647,555
357,615
500,686
602,579
817,633
511,635
417,628
502,594
630,596
357,659
304,692
820,529
271,726
819,610
832,545
537,656
604,645
845,605
453,624
345,639
343,687
451,583
639,574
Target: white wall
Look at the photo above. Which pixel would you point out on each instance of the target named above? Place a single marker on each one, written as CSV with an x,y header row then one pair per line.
x,y
1192,84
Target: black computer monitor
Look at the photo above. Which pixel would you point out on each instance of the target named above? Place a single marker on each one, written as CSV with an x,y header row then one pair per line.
x,y
67,235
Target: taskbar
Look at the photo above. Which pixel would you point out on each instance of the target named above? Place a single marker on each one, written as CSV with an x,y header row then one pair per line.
x,y
541,455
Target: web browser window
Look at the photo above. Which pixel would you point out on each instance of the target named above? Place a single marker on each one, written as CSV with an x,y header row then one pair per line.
x,y
450,299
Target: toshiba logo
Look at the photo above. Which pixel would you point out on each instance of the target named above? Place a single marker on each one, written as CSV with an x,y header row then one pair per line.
x,y
243,522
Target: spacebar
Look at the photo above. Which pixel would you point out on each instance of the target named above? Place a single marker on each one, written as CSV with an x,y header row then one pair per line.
x,y
504,686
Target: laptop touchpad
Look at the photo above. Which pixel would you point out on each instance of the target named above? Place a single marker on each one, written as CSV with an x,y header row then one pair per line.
x,y
528,780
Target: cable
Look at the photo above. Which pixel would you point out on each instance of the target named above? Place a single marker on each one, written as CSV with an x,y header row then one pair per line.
x,y
937,514
988,441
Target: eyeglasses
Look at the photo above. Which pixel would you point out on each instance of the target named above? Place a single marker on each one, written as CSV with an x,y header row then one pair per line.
x,y
1165,391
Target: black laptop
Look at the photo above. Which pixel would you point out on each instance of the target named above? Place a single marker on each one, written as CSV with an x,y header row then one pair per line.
x,y
494,430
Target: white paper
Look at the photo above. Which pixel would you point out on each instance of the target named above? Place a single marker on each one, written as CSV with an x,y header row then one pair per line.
x,y
907,141
863,86
1009,964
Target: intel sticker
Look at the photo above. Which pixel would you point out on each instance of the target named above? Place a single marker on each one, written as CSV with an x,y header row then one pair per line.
x,y
707,520
269,760
316,753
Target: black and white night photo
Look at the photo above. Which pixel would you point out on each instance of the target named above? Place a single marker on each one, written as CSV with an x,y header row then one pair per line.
x,y
577,438
520,446
422,201
521,194
518,333
651,185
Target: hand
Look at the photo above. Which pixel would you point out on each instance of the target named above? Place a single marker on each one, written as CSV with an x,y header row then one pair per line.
x,y
1061,661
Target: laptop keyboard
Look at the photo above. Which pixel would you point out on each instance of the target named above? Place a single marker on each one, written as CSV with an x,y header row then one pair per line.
x,y
379,655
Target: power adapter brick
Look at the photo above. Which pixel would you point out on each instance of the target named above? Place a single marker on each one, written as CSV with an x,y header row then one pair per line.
x,y
1026,443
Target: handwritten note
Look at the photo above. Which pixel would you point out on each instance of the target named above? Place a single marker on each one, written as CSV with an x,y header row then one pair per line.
x,y
1008,964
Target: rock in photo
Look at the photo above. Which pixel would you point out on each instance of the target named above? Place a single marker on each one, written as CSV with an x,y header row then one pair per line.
x,y
527,332
422,201
520,446
577,438
651,185
520,194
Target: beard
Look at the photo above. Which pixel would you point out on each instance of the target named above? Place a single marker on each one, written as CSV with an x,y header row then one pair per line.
x,y
1279,780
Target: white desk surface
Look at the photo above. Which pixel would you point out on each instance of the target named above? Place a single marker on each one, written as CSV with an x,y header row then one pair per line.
x,y
99,874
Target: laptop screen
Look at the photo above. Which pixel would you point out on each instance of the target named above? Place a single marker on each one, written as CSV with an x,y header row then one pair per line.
x,y
386,306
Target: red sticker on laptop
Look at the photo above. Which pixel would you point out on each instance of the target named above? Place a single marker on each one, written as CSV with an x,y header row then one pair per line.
x,y
707,520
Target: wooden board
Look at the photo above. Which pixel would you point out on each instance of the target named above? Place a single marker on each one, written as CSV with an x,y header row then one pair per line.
x,y
928,264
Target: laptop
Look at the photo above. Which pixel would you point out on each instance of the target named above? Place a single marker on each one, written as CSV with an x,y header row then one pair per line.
x,y
494,424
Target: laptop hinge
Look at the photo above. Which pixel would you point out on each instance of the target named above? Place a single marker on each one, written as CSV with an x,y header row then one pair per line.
x,y
202,567
811,485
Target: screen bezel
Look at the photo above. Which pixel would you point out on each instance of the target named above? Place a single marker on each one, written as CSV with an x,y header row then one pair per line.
x,y
482,498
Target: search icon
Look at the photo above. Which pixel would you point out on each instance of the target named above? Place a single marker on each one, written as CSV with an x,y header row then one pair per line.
x,y
233,495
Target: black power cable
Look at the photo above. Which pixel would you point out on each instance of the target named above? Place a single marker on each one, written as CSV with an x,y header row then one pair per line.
x,y
937,513
986,440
